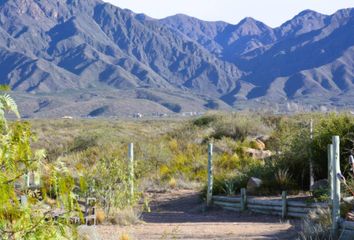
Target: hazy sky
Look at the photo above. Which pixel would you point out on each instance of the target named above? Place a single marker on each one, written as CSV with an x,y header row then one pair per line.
x,y
271,12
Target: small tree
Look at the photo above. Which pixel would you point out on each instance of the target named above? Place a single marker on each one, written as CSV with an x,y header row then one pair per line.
x,y
111,182
30,220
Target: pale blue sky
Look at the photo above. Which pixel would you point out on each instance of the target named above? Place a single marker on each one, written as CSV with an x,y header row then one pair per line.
x,y
271,12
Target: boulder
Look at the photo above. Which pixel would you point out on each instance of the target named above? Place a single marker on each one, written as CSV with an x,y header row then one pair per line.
x,y
258,154
263,138
257,144
261,145
253,184
320,184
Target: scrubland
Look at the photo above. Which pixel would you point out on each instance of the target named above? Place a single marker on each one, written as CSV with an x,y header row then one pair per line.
x,y
92,154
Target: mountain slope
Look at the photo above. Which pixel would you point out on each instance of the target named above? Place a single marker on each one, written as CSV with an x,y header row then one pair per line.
x,y
101,40
50,49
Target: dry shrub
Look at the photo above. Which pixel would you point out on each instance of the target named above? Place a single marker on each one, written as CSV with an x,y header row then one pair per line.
x,y
124,236
51,202
239,126
100,216
126,217
317,225
283,177
87,233
172,183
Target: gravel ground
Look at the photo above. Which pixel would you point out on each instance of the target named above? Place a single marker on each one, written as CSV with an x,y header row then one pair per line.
x,y
180,215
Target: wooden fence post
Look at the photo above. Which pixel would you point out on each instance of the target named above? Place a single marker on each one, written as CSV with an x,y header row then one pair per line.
x,y
210,175
330,171
23,200
336,186
312,180
27,180
37,178
243,199
131,170
284,209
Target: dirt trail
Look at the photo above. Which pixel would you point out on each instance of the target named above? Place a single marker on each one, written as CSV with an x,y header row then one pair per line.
x,y
180,215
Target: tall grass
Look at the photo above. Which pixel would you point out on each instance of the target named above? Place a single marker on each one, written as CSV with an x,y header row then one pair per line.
x,y
317,225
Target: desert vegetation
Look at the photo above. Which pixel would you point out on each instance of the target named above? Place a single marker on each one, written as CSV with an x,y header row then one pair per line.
x,y
173,152
88,157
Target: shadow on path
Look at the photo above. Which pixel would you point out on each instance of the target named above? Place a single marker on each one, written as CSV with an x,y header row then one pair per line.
x,y
181,215
188,207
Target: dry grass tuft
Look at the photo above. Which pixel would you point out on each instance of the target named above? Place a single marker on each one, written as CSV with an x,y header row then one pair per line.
x,y
317,225
172,183
100,216
124,236
126,217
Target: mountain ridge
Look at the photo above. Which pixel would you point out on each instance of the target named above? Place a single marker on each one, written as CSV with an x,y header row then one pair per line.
x,y
79,46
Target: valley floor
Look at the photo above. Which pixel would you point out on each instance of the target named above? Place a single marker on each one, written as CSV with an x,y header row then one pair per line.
x,y
180,215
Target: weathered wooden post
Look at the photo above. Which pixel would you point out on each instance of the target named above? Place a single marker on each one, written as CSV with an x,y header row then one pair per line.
x,y
284,210
37,178
210,175
243,199
131,170
27,180
336,186
330,172
312,180
23,200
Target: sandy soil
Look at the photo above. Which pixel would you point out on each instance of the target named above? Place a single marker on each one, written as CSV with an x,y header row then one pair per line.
x,y
182,215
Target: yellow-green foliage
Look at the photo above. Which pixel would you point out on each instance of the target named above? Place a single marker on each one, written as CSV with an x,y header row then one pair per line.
x,y
31,220
177,148
188,160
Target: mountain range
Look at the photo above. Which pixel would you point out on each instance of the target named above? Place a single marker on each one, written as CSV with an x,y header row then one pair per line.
x,y
90,58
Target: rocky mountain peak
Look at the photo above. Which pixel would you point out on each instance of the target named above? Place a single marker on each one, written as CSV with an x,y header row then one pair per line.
x,y
89,45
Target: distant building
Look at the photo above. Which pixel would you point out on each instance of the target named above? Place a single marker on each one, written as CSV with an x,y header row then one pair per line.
x,y
137,115
67,117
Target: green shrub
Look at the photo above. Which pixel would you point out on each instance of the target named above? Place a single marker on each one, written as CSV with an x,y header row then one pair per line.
x,y
17,159
204,120
326,127
291,139
82,143
320,195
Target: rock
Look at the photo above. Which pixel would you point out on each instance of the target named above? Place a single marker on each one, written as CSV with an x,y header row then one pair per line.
x,y
263,138
257,144
320,184
253,184
260,144
88,233
258,154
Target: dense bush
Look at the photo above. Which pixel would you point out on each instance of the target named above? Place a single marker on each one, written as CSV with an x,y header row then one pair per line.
x,y
239,126
326,127
291,141
204,120
30,220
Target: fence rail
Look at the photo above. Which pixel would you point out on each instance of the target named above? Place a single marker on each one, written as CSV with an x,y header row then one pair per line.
x,y
347,230
280,207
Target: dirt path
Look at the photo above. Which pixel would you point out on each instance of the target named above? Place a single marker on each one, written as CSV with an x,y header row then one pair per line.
x,y
180,215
